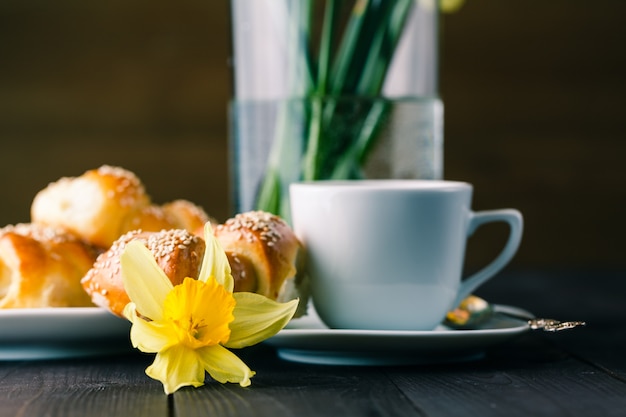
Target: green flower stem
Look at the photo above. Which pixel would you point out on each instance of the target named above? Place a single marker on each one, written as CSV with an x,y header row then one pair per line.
x,y
365,21
323,147
381,53
311,158
344,158
283,148
326,44
285,154
384,43
349,165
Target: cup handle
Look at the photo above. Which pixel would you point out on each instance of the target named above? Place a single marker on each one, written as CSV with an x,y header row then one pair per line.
x,y
477,219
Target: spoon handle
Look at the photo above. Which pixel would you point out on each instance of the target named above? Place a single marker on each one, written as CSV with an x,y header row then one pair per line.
x,y
547,325
474,311
551,325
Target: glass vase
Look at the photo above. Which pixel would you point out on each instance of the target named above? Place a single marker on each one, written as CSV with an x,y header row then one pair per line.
x,y
330,89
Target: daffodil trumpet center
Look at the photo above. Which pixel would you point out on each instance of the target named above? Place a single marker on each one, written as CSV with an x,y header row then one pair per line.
x,y
199,313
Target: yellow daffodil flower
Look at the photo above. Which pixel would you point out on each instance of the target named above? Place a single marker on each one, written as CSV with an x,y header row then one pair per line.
x,y
191,325
450,6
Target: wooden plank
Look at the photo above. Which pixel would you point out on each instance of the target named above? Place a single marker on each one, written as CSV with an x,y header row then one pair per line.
x,y
564,387
529,377
115,386
591,295
289,389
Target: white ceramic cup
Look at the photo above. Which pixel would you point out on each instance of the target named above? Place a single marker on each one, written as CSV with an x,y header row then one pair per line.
x,y
388,254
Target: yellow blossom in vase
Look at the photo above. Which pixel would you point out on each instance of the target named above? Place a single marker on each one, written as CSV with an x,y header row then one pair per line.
x,y
191,326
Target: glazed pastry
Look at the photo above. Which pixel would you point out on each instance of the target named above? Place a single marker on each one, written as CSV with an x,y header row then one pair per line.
x,y
264,255
261,249
95,206
183,214
178,214
42,267
103,204
178,252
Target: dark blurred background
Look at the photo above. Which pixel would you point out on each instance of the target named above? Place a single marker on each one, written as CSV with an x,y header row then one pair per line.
x,y
534,95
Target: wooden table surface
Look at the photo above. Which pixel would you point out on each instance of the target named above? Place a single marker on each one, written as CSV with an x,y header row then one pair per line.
x,y
580,372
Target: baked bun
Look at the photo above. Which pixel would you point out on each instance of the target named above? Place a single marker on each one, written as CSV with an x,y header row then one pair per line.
x,y
264,254
42,267
103,204
178,252
178,214
94,206
183,214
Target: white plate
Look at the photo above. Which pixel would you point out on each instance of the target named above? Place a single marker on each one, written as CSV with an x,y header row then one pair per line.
x,y
45,333
308,340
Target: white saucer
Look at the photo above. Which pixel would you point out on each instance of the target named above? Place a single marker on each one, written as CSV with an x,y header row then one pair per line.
x,y
51,333
308,340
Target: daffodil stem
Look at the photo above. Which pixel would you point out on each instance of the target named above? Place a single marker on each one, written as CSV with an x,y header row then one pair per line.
x,y
322,147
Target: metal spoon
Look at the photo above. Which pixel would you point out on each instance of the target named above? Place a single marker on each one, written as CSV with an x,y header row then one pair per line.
x,y
474,311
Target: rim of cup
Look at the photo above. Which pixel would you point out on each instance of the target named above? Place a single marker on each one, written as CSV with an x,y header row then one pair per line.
x,y
370,184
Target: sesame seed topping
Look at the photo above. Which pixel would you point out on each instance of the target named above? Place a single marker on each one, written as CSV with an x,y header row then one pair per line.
x,y
162,245
128,177
39,232
249,223
128,188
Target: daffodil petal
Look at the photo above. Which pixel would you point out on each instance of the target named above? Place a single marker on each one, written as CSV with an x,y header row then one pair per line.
x,y
151,337
225,366
257,318
146,284
130,311
215,263
177,367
